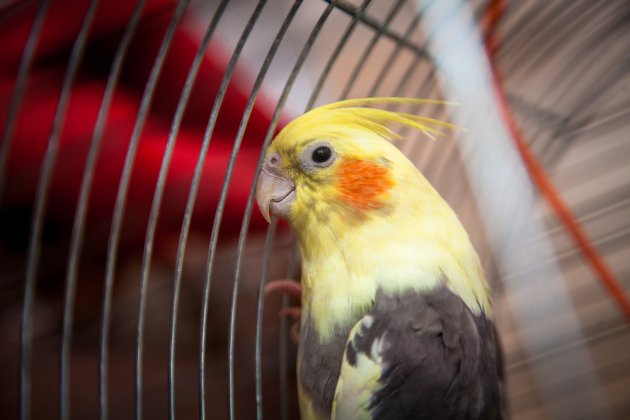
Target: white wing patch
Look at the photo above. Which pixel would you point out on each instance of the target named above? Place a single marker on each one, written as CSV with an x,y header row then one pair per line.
x,y
359,381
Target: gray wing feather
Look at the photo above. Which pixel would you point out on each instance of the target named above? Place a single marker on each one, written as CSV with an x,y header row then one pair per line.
x,y
436,359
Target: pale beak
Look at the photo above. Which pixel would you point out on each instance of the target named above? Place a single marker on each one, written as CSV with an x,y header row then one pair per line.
x,y
274,192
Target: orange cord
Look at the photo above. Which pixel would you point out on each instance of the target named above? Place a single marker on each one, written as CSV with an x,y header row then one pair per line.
x,y
540,178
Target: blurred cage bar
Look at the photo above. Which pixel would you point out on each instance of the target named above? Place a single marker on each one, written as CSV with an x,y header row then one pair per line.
x,y
132,262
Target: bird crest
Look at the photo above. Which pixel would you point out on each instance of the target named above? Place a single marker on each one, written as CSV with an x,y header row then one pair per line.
x,y
337,119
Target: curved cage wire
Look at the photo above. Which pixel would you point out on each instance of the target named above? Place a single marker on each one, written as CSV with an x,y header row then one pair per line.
x,y
133,261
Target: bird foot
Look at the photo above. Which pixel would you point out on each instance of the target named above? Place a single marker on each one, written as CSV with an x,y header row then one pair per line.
x,y
291,288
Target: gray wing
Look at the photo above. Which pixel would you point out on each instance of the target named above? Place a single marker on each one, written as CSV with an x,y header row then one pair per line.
x,y
421,356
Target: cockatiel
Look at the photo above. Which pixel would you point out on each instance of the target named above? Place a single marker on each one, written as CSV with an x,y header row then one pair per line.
x,y
396,318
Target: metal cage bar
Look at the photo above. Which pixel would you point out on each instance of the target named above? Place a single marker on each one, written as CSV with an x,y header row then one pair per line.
x,y
35,238
20,88
78,229
121,197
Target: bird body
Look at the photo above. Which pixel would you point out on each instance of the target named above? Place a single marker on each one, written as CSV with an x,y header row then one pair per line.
x,y
396,313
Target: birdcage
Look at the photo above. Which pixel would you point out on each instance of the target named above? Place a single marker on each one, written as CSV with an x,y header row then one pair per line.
x,y
133,261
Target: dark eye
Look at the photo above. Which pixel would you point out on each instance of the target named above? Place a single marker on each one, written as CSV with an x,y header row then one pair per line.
x,y
321,154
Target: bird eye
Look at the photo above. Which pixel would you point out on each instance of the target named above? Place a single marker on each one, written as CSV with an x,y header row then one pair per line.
x,y
318,155
321,154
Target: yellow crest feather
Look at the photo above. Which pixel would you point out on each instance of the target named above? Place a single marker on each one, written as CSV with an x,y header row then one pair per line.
x,y
335,118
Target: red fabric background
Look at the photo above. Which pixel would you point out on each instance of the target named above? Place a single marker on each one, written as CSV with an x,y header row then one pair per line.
x,y
33,127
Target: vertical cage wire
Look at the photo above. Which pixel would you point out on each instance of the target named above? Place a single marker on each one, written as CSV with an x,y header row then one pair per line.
x,y
35,238
122,197
218,213
20,86
78,228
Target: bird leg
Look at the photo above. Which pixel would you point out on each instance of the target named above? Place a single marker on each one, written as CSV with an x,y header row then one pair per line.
x,y
291,288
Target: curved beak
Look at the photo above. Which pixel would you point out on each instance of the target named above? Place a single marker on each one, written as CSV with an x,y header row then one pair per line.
x,y
274,192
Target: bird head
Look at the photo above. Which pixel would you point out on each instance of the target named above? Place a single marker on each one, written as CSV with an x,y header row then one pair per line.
x,y
336,165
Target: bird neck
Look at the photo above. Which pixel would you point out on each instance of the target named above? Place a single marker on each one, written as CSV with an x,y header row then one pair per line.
x,y
418,246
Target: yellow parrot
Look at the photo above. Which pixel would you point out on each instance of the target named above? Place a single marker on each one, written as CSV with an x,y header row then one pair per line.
x,y
396,318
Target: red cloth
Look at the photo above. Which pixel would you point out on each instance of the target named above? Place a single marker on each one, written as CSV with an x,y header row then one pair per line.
x,y
37,110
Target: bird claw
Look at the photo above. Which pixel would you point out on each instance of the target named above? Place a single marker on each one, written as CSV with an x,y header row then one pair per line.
x,y
294,332
291,288
292,312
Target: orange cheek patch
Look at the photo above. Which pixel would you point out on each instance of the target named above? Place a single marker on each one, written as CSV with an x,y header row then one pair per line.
x,y
362,182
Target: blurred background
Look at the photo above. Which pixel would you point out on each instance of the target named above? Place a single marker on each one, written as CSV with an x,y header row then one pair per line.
x,y
132,260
